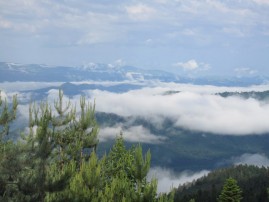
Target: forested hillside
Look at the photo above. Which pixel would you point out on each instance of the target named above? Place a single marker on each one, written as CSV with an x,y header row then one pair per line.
x,y
252,180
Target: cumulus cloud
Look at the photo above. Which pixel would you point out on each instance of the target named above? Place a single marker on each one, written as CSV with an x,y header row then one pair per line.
x,y
189,65
252,159
168,179
132,134
192,110
192,65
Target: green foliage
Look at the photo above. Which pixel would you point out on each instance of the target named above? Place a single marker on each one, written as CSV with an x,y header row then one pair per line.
x,y
7,115
42,171
56,160
8,158
119,176
126,171
119,161
252,180
54,147
231,192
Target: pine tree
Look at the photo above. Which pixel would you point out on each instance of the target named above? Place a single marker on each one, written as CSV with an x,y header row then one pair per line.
x,y
231,192
53,149
125,172
56,160
7,115
40,173
64,117
119,161
8,151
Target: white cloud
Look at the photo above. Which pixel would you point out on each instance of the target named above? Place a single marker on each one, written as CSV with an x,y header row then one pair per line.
x,y
214,8
238,18
21,97
191,110
14,11
140,12
132,134
72,24
252,159
194,108
192,65
189,65
168,179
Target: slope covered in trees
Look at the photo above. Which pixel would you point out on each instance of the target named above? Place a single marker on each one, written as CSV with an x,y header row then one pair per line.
x,y
56,160
252,180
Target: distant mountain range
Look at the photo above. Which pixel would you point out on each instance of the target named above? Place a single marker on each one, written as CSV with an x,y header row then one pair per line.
x,y
105,72
93,72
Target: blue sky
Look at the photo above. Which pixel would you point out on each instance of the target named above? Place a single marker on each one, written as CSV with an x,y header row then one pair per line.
x,y
194,37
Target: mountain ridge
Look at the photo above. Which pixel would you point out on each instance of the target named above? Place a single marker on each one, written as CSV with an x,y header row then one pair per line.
x,y
11,72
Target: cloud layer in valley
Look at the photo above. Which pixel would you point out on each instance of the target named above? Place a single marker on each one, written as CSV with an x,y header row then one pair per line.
x,y
189,106
252,159
132,134
191,110
168,179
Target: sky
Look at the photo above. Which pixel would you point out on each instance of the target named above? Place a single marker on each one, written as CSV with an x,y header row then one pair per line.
x,y
195,37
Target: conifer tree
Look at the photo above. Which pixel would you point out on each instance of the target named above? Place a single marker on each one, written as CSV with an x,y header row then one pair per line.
x,y
8,151
64,117
83,132
125,172
49,164
40,174
231,192
7,115
74,135
56,160
56,148
119,161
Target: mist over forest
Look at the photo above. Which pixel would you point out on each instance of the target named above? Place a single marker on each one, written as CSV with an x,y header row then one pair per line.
x,y
190,129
